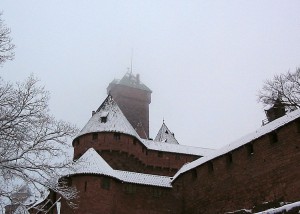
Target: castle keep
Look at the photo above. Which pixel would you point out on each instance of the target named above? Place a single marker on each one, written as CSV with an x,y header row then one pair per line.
x,y
120,170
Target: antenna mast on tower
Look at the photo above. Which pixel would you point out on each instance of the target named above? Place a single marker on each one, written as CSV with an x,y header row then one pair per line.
x,y
131,60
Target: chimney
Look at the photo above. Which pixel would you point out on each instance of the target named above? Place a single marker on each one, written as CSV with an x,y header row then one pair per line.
x,y
93,112
138,79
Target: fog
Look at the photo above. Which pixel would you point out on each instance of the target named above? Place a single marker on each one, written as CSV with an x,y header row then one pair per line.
x,y
204,60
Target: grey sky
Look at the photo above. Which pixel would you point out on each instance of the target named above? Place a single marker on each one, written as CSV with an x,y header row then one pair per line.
x,y
204,60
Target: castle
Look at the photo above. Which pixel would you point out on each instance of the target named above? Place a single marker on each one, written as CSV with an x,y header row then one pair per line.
x,y
118,169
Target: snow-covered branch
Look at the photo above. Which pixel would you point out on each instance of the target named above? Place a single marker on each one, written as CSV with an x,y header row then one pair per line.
x,y
33,143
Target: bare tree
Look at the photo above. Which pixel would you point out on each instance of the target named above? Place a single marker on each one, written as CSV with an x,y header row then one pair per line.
x,y
32,143
6,45
284,88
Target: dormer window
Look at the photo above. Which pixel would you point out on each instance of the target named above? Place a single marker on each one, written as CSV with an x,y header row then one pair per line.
x,y
103,119
103,116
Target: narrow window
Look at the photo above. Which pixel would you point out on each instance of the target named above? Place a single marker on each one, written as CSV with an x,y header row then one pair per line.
x,y
117,136
159,154
273,137
194,174
298,126
156,192
210,166
85,186
146,152
130,188
95,136
105,183
250,149
134,142
177,157
229,158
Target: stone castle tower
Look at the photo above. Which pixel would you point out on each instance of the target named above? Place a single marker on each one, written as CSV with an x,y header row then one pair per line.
x,y
133,98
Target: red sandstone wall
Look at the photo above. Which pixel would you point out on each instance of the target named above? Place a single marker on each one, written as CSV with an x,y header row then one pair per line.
x,y
271,173
118,200
129,154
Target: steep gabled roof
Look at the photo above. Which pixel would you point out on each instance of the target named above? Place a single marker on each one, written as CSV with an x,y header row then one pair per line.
x,y
92,163
108,118
268,128
165,135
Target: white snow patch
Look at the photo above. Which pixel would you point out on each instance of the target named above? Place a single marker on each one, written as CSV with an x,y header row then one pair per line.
x,y
284,208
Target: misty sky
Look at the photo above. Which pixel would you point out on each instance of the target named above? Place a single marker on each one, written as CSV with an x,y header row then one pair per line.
x,y
204,60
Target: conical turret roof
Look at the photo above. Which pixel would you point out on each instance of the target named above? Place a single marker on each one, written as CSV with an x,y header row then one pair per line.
x,y
165,135
108,118
92,163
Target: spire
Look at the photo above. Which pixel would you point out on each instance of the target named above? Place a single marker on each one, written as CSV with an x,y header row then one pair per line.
x,y
165,135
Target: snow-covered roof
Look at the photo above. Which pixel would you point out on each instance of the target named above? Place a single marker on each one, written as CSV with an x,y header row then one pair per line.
x,y
92,163
176,148
242,141
131,81
145,179
115,120
164,135
283,209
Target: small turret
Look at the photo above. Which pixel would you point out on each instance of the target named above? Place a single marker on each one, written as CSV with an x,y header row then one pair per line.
x,y
164,135
274,111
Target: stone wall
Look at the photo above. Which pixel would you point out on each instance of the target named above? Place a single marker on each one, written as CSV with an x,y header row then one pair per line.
x,y
265,170
120,197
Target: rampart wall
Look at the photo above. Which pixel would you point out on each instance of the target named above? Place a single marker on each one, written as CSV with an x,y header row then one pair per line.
x,y
116,197
264,170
